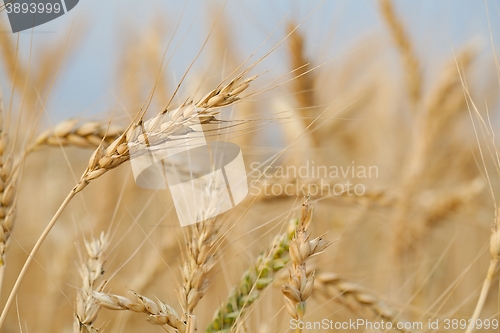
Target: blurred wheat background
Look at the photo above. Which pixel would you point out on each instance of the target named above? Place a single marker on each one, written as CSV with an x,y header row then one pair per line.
x,y
409,89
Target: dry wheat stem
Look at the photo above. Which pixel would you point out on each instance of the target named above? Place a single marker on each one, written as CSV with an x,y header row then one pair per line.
x,y
495,259
31,256
412,67
8,190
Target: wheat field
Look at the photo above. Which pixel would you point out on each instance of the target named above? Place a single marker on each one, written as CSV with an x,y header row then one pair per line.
x,y
370,157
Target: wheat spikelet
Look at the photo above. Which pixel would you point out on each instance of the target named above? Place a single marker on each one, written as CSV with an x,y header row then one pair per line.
x,y
253,282
354,298
91,272
159,313
202,237
202,240
493,266
8,189
300,284
259,276
72,132
159,128
194,270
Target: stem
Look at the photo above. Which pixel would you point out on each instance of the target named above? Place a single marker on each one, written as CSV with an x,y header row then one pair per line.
x,y
31,256
2,274
483,295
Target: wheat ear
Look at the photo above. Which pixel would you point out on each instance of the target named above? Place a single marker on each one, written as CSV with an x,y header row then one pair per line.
x,y
202,240
91,272
253,282
159,313
300,285
8,192
412,66
202,237
354,297
158,130
8,185
73,132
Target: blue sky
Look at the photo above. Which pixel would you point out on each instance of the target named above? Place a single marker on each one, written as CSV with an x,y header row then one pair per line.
x,y
88,81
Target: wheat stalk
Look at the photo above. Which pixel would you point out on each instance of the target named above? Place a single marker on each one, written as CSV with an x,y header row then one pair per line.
x,y
8,191
157,130
8,187
495,259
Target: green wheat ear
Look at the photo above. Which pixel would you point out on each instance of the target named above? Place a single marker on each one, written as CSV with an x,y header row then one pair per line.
x,y
254,280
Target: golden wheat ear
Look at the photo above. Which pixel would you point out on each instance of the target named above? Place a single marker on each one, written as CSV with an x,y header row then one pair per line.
x,y
116,153
358,300
91,272
73,132
9,175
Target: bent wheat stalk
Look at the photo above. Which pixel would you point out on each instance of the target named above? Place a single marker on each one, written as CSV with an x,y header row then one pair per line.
x,y
495,259
157,130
